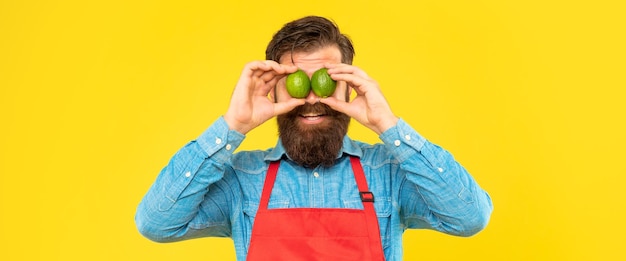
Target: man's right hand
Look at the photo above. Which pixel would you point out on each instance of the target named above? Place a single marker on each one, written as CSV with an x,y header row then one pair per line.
x,y
250,105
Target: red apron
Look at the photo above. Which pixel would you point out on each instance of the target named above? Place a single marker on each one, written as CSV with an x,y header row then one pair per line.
x,y
316,233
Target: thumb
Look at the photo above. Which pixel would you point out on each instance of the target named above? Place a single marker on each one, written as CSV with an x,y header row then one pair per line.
x,y
336,104
284,107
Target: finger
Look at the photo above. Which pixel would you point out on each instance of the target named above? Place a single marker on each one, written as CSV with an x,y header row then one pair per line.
x,y
284,107
280,68
258,68
359,84
268,82
337,105
276,69
342,68
277,72
268,76
268,86
289,68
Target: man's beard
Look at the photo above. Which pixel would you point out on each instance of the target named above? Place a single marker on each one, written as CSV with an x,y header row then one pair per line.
x,y
313,145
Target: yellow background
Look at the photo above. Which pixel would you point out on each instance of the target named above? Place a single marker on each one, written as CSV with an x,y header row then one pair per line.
x,y
96,96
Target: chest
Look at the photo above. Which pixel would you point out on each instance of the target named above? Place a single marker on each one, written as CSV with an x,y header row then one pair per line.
x,y
334,187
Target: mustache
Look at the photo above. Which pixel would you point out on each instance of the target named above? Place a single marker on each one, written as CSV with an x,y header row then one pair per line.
x,y
316,108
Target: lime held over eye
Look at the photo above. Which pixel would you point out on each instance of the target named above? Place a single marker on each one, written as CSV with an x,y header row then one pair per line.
x,y
298,84
321,83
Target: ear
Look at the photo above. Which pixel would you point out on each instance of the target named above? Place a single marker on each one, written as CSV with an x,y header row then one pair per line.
x,y
273,94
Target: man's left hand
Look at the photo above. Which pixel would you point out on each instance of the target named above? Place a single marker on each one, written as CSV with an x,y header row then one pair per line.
x,y
369,107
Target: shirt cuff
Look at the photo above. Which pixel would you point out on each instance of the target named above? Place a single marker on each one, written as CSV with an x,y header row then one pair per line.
x,y
219,142
402,140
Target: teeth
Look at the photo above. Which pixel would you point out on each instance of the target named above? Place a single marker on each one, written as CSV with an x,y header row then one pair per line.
x,y
310,115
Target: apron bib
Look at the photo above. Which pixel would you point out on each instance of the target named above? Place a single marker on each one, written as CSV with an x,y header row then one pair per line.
x,y
315,234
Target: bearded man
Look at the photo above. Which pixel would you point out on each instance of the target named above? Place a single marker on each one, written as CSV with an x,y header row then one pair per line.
x,y
318,194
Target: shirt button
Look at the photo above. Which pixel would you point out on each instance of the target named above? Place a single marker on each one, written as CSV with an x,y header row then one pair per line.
x,y
315,174
397,143
440,169
188,174
228,146
407,137
218,141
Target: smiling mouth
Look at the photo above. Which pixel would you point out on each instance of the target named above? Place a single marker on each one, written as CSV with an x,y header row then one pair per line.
x,y
312,116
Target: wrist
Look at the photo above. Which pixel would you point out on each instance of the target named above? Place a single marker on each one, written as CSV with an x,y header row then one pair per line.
x,y
235,125
386,124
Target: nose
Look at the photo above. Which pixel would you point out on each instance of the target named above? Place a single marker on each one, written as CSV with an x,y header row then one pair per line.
x,y
312,98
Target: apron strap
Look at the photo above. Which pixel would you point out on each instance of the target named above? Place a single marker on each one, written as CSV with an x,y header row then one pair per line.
x,y
269,184
367,198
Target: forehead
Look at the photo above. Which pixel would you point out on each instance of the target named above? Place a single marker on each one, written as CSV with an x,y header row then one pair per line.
x,y
317,57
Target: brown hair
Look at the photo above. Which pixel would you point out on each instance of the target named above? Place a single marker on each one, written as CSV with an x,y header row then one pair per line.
x,y
309,34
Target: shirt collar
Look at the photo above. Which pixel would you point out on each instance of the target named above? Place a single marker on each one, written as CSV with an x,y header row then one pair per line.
x,y
348,147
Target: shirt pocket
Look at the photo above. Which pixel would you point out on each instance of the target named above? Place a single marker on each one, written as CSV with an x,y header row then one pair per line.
x,y
382,206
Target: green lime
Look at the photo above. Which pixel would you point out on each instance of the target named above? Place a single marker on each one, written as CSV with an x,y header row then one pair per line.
x,y
298,84
321,83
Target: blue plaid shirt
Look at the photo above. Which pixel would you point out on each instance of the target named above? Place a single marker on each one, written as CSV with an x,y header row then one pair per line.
x,y
207,190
